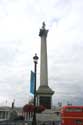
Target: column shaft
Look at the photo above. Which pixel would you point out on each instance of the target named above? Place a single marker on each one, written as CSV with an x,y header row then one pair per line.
x,y
43,63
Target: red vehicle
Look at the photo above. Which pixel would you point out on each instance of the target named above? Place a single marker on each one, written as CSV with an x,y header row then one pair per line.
x,y
72,115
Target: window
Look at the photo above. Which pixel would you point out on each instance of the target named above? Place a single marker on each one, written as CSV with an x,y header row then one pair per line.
x,y
74,110
78,122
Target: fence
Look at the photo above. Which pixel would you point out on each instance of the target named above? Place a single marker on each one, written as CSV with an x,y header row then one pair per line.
x,y
13,122
27,122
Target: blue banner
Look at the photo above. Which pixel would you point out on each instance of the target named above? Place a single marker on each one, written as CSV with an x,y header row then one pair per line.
x,y
32,82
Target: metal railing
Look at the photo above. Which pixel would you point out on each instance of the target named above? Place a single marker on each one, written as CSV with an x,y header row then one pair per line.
x,y
27,122
15,122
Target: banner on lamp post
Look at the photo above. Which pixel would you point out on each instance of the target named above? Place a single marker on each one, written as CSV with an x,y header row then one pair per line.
x,y
32,82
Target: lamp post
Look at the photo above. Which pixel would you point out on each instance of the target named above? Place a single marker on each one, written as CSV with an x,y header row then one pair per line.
x,y
35,58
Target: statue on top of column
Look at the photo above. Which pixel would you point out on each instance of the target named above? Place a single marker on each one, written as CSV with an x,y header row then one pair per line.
x,y
43,25
43,31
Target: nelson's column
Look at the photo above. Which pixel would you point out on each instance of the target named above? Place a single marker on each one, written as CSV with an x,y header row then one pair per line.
x,y
44,92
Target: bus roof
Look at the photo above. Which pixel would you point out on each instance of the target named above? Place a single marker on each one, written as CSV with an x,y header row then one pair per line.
x,y
74,106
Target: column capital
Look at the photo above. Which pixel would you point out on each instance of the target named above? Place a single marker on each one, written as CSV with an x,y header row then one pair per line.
x,y
43,31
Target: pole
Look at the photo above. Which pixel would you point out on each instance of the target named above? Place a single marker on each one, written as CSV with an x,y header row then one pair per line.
x,y
34,114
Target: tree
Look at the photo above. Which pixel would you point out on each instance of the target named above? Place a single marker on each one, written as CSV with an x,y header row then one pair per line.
x,y
40,108
30,108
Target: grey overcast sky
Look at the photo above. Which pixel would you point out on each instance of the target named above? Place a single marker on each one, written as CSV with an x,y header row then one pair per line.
x,y
20,21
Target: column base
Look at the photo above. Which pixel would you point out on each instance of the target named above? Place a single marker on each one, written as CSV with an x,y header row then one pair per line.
x,y
44,96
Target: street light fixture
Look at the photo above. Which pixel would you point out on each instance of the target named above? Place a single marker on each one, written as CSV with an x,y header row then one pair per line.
x,y
35,58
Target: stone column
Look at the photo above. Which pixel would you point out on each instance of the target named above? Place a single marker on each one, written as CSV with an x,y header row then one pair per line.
x,y
43,57
44,92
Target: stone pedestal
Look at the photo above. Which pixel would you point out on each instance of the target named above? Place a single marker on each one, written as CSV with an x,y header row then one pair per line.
x,y
44,93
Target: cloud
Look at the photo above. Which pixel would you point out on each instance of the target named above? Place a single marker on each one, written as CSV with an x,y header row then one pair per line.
x,y
20,22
